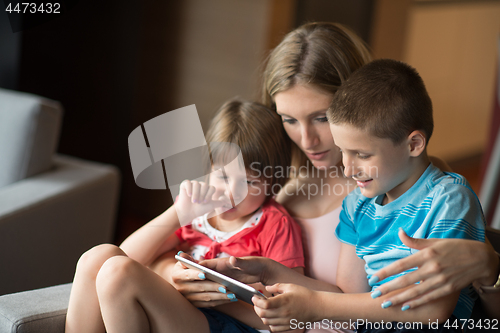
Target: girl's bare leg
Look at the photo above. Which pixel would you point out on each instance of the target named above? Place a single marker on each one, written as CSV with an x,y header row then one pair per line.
x,y
84,313
135,299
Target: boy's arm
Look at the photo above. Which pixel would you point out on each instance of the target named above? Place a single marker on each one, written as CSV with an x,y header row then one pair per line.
x,y
363,306
304,305
296,304
351,276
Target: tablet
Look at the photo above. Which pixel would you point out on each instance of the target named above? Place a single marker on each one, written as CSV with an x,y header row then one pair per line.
x,y
240,289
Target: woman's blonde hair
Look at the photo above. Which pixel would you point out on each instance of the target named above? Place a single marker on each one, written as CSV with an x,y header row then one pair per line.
x,y
258,133
320,54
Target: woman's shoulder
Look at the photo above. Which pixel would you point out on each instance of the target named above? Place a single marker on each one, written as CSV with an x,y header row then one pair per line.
x,y
273,207
275,216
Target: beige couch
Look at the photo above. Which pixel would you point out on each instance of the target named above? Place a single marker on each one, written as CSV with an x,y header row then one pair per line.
x,y
52,208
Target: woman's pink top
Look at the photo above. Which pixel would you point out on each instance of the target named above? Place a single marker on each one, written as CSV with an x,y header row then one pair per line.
x,y
321,246
322,250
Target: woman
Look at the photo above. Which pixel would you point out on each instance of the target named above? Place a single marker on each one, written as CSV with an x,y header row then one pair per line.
x,y
302,74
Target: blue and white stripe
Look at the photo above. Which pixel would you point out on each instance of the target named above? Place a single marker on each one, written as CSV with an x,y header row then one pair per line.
x,y
438,205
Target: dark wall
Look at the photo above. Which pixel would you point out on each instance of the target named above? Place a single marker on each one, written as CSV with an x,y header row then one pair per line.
x,y
356,14
106,62
10,48
113,66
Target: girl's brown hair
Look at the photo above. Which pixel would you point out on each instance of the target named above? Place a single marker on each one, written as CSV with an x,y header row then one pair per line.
x,y
260,136
320,54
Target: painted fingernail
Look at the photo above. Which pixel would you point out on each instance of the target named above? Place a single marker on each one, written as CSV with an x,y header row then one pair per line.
x,y
179,253
231,296
374,279
376,293
386,304
404,308
201,276
222,290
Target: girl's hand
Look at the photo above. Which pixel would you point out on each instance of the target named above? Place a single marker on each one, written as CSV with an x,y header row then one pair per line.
x,y
444,266
197,199
200,292
291,301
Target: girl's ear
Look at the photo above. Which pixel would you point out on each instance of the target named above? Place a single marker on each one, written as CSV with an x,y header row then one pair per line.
x,y
417,143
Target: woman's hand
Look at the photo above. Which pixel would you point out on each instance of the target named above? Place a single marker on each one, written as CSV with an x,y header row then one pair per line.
x,y
291,302
444,266
247,270
196,199
200,292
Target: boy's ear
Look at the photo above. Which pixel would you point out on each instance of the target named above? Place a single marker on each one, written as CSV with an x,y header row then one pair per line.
x,y
417,143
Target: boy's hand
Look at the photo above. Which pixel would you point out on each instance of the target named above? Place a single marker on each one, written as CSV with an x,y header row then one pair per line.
x,y
291,301
197,199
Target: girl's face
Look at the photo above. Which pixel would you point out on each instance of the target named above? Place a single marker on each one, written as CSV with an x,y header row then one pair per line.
x,y
246,192
303,111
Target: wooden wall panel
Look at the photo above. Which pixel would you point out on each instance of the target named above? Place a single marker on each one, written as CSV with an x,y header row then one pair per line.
x,y
454,47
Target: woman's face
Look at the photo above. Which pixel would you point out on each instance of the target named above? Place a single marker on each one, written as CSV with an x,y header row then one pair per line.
x,y
303,111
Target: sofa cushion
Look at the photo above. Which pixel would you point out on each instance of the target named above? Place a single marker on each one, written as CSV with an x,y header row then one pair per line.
x,y
35,311
29,132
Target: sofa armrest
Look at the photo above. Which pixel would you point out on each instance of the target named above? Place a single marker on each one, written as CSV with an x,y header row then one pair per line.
x,y
35,311
47,221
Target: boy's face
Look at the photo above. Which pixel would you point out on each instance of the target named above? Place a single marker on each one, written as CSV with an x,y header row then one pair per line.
x,y
377,165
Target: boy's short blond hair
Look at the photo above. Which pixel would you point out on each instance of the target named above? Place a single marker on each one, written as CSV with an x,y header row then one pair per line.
x,y
386,97
258,132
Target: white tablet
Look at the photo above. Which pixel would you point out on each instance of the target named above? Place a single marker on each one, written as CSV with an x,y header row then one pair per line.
x,y
241,290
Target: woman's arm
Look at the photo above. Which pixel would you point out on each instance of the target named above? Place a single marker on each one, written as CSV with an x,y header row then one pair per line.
x,y
445,266
266,271
440,163
490,300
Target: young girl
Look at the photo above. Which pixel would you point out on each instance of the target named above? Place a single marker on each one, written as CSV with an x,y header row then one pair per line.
x,y
114,290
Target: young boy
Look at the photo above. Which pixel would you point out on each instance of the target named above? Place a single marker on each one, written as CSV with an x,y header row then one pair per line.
x,y
381,118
